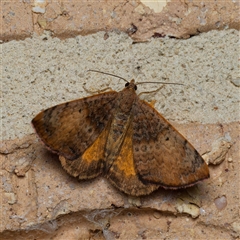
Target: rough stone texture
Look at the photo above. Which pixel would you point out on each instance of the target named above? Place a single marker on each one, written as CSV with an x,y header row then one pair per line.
x,y
47,202
43,71
40,201
140,19
16,20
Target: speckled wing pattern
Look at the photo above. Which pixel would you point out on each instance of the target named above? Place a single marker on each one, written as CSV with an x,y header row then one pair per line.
x,y
77,131
161,154
122,173
123,138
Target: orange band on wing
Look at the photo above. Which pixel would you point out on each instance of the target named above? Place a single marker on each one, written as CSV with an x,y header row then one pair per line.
x,y
97,149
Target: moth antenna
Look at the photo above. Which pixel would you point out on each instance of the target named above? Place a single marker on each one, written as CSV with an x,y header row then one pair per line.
x,y
160,83
107,74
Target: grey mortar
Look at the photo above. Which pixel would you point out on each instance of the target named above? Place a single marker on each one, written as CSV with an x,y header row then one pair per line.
x,y
42,71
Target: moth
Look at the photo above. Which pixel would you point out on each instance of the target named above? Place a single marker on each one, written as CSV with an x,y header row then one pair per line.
x,y
120,136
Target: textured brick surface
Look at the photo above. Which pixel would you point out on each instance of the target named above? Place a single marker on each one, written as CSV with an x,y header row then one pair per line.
x,y
71,18
38,199
16,20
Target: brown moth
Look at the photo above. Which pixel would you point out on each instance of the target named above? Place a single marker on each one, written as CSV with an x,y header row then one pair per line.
x,y
120,136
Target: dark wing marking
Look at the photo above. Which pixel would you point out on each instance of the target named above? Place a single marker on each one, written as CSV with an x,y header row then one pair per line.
x,y
70,128
122,173
161,154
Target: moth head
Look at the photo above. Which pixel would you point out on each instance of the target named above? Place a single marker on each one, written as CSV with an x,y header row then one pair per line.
x,y
131,85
